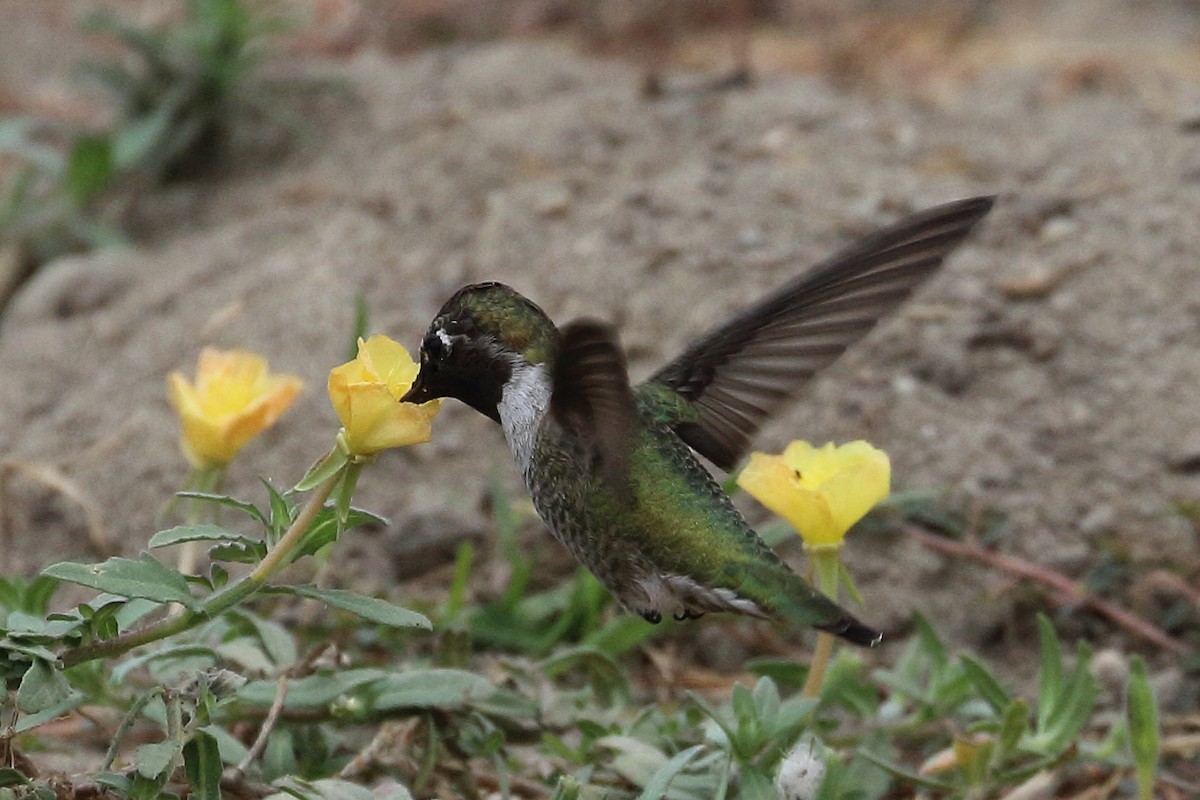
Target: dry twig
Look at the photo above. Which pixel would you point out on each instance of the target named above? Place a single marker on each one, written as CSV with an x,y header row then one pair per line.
x,y
1067,591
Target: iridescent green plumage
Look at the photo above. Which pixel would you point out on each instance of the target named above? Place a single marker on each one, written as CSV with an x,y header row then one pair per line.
x,y
611,468
673,543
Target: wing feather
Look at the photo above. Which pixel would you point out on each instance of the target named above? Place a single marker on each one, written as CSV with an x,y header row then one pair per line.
x,y
592,398
740,372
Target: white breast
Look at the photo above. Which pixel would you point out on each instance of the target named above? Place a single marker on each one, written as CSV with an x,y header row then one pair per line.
x,y
523,403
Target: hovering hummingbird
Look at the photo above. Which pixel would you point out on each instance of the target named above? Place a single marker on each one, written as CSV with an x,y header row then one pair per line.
x,y
611,467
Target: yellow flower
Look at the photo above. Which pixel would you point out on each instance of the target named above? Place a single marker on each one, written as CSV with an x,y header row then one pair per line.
x,y
821,492
366,395
234,399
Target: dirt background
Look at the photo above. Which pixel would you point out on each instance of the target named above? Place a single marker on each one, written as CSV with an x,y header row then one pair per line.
x,y
1048,373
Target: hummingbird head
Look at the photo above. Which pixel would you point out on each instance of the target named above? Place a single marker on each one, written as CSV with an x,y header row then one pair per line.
x,y
482,334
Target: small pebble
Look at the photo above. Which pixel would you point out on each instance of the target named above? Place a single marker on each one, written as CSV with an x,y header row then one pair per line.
x,y
1099,520
1111,668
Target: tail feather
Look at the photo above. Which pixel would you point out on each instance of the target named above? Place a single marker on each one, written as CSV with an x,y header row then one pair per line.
x,y
788,596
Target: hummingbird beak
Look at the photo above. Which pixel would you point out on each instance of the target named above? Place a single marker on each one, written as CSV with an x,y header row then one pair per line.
x,y
418,392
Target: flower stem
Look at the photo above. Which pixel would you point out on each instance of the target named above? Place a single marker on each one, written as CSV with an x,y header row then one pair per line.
x,y
825,563
820,660
216,603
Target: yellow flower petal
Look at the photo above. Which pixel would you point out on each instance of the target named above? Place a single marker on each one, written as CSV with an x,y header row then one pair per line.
x,y
365,394
234,398
821,492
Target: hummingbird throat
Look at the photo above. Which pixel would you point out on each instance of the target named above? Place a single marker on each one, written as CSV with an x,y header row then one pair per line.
x,y
524,402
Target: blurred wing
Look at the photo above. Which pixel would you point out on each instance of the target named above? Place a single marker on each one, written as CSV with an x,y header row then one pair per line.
x,y
742,371
591,397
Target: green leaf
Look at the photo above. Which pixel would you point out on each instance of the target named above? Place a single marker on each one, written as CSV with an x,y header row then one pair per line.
x,y
1143,727
1013,726
153,760
372,609
985,683
315,691
144,788
226,500
72,701
120,784
238,553
232,750
754,784
1050,671
431,688
326,528
604,674
89,168
203,532
145,577
43,686
634,760
328,466
343,493
162,653
931,645
202,763
283,511
660,781
276,640
913,778
332,789
12,777
456,597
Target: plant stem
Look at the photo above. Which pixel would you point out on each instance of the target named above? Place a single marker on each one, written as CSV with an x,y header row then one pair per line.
x,y
217,603
825,564
820,660
1068,592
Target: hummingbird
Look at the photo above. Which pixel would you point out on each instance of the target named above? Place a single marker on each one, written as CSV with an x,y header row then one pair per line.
x,y
613,467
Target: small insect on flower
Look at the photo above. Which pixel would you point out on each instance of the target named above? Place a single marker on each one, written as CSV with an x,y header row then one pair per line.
x,y
235,398
820,491
366,395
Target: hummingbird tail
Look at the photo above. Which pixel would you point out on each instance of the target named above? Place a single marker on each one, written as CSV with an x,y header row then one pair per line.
x,y
790,597
853,631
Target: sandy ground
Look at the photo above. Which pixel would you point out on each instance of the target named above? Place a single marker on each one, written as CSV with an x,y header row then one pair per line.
x,y
1047,373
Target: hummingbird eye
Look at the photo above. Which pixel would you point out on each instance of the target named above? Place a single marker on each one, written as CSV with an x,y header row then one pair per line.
x,y
437,346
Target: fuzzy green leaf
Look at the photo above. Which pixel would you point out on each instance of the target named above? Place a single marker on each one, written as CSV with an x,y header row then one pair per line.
x,y
1143,727
202,763
1013,726
12,777
146,578
985,683
333,789
431,688
328,466
155,759
226,500
660,781
73,700
203,532
1050,671
43,686
315,691
372,609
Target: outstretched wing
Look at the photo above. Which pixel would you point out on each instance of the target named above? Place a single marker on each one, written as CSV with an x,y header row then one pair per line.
x,y
742,371
591,397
